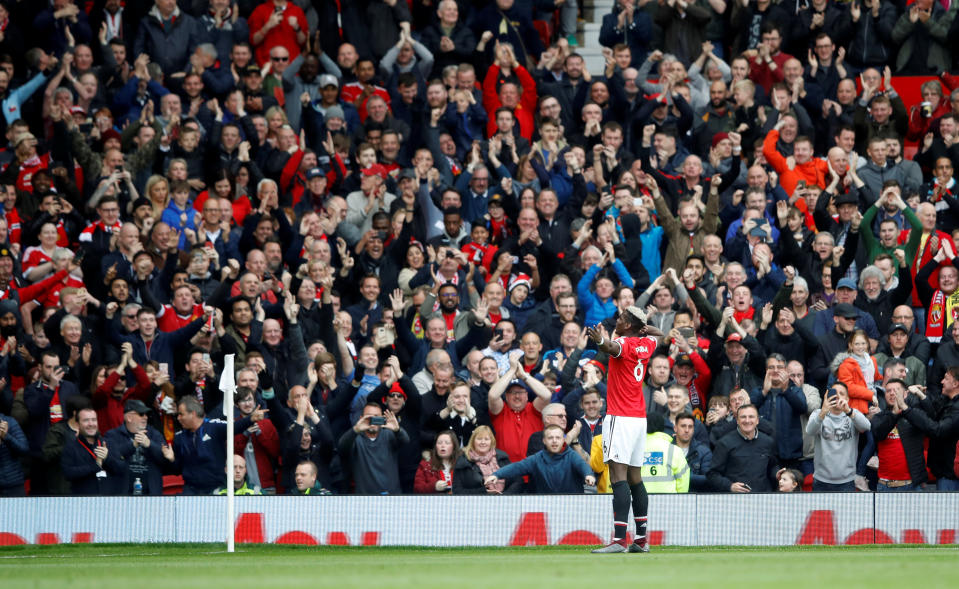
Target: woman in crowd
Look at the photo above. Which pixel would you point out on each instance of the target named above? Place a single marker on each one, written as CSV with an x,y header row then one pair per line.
x,y
480,459
436,474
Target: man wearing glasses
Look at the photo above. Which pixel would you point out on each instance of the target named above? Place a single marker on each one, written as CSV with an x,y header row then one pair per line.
x,y
555,414
279,61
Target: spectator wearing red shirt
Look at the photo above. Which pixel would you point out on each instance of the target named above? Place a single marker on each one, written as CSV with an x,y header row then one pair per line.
x,y
692,372
516,419
112,393
499,90
933,106
359,92
259,444
766,61
277,22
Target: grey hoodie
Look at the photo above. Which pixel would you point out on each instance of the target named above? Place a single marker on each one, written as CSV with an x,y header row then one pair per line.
x,y
837,443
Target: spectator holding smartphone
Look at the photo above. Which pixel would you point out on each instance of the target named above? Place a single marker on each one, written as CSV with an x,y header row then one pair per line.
x,y
837,427
370,448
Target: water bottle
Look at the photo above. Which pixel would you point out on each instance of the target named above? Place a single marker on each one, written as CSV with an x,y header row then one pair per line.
x,y
137,487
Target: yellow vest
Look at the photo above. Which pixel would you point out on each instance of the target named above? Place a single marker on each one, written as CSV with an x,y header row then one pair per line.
x,y
664,467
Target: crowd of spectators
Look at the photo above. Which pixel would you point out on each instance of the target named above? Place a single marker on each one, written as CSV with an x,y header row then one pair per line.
x,y
400,215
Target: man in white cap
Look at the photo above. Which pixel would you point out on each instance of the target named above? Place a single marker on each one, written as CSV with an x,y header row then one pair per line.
x,y
624,427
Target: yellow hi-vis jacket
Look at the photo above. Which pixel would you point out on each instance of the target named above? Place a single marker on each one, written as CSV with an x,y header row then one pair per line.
x,y
664,469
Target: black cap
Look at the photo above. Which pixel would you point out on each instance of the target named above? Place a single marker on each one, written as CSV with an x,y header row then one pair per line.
x,y
684,359
847,199
250,69
899,327
137,406
845,310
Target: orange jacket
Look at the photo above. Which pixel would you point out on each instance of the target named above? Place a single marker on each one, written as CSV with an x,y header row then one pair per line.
x,y
849,373
814,172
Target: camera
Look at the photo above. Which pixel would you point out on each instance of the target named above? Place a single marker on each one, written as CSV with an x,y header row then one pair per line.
x,y
377,421
450,254
832,394
498,333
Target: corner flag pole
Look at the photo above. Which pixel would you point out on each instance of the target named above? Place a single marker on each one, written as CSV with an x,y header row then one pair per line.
x,y
228,387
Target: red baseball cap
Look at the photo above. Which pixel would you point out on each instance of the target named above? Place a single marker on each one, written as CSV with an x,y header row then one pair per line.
x,y
375,170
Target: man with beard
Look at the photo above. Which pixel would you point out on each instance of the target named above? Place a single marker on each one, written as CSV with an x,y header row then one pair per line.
x,y
715,119
447,294
140,448
833,342
301,83
45,400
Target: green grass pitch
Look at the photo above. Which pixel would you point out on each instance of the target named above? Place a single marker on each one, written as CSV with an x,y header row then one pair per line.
x,y
108,566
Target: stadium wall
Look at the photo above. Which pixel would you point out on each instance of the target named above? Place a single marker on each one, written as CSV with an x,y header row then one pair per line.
x,y
682,520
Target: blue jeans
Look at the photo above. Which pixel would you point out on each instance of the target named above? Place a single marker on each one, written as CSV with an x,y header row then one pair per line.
x,y
821,487
881,488
868,449
947,485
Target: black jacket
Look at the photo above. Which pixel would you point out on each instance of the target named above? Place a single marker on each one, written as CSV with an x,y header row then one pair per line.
x,y
120,442
736,459
830,344
468,479
80,468
939,420
319,453
912,441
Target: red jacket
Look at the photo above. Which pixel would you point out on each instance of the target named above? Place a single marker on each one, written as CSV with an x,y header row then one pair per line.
x,y
760,73
110,408
283,34
427,477
527,100
922,258
266,449
701,382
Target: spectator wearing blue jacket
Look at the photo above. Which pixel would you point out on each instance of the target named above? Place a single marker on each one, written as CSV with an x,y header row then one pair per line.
x,y
555,469
630,26
597,300
12,100
149,343
199,449
13,445
781,403
698,455
180,214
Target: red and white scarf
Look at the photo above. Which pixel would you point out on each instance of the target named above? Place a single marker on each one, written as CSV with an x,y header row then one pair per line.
x,y
943,306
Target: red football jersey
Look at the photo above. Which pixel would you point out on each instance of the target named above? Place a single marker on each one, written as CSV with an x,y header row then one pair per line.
x,y
624,391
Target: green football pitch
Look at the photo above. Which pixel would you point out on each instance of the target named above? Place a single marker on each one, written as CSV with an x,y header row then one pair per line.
x,y
107,566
